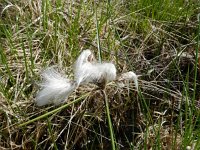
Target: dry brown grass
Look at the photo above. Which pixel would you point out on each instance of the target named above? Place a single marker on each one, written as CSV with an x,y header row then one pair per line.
x,y
159,49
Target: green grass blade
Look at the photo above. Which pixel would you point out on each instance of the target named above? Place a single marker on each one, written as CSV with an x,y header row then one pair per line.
x,y
53,111
109,120
98,38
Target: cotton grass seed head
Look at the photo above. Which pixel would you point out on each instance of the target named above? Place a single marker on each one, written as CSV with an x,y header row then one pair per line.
x,y
84,57
83,61
128,76
87,70
54,88
107,71
96,73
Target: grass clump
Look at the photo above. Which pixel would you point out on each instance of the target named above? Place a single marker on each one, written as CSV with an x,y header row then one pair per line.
x,y
159,40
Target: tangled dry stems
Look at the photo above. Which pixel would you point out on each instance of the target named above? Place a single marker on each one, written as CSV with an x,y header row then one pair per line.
x,y
83,125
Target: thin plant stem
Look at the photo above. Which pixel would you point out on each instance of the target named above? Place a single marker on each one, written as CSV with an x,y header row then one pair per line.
x,y
98,39
109,120
53,111
196,58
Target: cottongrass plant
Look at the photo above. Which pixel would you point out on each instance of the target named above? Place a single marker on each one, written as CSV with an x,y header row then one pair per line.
x,y
55,88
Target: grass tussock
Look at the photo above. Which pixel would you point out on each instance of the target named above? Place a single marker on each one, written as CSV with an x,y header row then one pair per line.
x,y
158,40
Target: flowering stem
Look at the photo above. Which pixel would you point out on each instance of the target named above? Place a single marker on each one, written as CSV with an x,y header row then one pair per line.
x,y
109,120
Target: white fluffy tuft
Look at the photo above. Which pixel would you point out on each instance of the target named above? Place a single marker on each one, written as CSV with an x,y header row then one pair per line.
x,y
82,60
94,72
54,88
107,71
86,70
129,76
